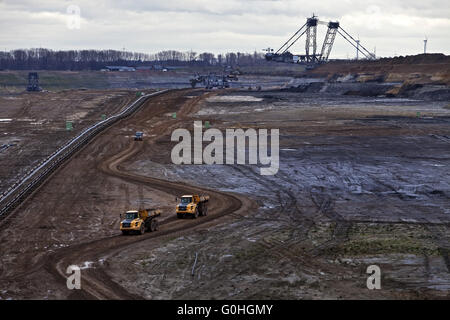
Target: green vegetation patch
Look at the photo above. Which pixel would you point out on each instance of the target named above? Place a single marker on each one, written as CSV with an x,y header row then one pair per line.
x,y
372,239
55,80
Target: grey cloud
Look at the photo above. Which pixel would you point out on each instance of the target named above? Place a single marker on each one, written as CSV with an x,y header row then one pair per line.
x,y
393,26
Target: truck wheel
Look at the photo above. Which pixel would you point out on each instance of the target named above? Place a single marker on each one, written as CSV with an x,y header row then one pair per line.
x,y
155,225
142,230
196,213
205,210
124,232
179,216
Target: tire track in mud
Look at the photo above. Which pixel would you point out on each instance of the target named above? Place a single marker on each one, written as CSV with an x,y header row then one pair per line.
x,y
300,223
341,229
440,235
96,283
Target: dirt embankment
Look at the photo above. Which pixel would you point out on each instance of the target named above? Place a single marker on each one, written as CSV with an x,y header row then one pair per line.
x,y
419,69
424,76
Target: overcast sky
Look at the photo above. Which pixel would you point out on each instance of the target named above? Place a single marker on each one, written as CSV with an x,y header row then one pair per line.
x,y
394,27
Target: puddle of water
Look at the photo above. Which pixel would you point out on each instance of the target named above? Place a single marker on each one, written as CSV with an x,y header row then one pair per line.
x,y
263,109
5,120
77,116
12,98
395,100
25,119
86,265
210,111
234,99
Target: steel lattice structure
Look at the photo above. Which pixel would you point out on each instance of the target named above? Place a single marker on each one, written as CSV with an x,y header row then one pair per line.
x,y
312,57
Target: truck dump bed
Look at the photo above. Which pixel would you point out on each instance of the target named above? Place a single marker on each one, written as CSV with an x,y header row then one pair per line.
x,y
151,212
200,198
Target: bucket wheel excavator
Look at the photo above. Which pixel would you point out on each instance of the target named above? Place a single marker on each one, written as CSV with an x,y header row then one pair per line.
x,y
312,56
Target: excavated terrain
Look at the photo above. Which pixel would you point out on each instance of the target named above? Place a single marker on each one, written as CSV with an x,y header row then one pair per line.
x,y
33,125
362,181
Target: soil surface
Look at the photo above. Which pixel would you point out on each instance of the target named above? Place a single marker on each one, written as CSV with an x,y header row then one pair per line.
x,y
362,181
33,125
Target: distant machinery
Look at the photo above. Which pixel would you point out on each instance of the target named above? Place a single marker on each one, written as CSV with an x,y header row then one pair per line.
x,y
329,40
425,45
231,73
311,40
198,79
211,80
33,82
138,136
312,57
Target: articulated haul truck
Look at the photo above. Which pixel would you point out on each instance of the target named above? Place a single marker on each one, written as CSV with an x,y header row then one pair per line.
x,y
139,221
193,206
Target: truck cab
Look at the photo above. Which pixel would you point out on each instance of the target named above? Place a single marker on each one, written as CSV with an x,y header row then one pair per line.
x,y
193,206
138,136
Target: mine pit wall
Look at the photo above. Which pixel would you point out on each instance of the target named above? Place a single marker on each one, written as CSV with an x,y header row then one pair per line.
x,y
352,88
424,77
372,89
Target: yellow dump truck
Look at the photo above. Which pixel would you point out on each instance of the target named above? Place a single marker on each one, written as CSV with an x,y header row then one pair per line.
x,y
193,206
139,221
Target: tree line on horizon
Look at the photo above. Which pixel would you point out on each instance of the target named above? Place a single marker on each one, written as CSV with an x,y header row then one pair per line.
x,y
47,59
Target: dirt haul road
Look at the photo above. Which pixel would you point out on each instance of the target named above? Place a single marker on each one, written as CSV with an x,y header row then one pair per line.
x,y
73,218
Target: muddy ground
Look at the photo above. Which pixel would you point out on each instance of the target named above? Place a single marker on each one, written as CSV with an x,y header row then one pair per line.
x,y
362,181
33,125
